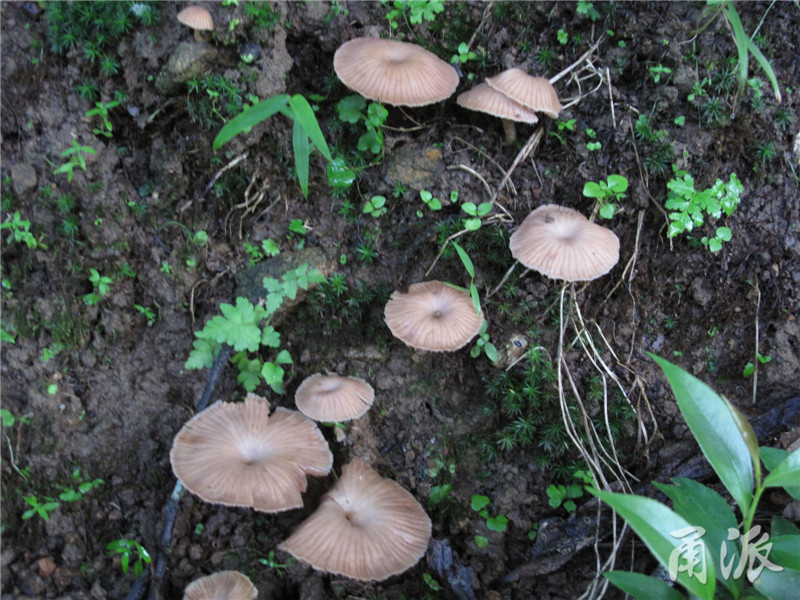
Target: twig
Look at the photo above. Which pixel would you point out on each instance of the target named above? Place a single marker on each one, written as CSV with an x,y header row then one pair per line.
x,y
755,359
584,56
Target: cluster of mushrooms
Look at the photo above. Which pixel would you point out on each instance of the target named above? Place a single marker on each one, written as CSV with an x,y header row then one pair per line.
x,y
241,454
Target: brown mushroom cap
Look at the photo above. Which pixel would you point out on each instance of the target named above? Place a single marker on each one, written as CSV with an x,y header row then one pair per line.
x,y
196,17
536,93
484,98
397,73
333,398
238,454
434,316
366,527
224,585
561,243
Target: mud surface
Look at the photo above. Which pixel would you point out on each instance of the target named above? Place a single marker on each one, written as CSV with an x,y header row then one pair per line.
x,y
102,386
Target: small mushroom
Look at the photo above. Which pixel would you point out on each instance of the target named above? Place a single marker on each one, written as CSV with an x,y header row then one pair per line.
x,y
392,72
434,316
333,398
561,243
366,527
237,454
198,19
535,93
223,585
484,98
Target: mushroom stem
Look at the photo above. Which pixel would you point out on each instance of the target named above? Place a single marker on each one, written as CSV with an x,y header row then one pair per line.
x,y
202,35
510,130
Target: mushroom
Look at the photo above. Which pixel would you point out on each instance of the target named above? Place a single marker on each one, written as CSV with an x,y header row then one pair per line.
x,y
397,73
561,243
366,527
535,93
223,585
485,99
333,398
237,454
434,316
198,19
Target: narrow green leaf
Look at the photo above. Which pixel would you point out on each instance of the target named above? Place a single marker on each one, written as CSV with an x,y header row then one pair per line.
x,y
778,585
249,118
740,38
304,114
465,259
765,64
783,526
658,526
786,551
714,424
643,587
302,152
787,473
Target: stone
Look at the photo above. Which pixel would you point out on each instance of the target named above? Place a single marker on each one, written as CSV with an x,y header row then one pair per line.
x,y
23,178
415,167
189,60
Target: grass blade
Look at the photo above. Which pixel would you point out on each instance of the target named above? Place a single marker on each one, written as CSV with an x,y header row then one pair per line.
x,y
304,114
249,118
302,150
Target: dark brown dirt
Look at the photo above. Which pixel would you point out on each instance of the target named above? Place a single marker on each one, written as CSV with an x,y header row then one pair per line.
x,y
122,389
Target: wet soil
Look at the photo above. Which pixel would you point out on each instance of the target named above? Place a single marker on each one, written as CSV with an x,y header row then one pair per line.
x,y
103,388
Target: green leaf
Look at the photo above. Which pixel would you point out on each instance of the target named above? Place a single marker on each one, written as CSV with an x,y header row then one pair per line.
x,y
778,585
465,259
202,357
376,114
658,527
249,118
273,375
283,358
617,183
340,176
786,551
304,114
593,190
783,526
481,542
302,153
643,587
724,233
349,108
372,141
479,502
469,208
472,224
715,423
787,473
270,337
498,523
700,505
491,352
607,211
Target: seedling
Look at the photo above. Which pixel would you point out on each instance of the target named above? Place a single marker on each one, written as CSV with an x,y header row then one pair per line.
x,y
565,495
463,54
269,561
413,12
19,231
130,550
587,9
476,213
430,200
482,344
147,313
76,159
499,523
102,285
562,127
689,206
43,509
375,206
306,133
750,368
351,109
102,111
607,193
657,71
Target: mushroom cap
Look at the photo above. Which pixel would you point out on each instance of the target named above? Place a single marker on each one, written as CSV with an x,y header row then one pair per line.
x,y
485,99
197,18
434,316
223,585
397,73
333,398
561,243
366,527
238,454
536,93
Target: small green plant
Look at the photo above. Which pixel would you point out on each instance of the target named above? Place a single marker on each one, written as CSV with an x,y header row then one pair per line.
x,y
306,133
700,540
607,193
657,71
483,345
246,328
565,495
463,54
101,285
130,550
562,37
476,213
19,231
587,9
689,206
375,206
353,109
76,159
499,523
43,509
413,12
147,313
280,568
750,368
431,582
562,127
430,200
